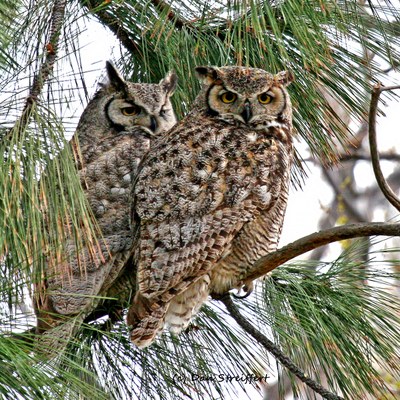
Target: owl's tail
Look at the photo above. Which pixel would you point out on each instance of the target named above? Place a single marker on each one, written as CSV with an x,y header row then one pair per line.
x,y
185,305
145,319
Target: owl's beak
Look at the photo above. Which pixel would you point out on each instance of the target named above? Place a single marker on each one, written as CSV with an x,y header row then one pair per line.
x,y
153,124
246,113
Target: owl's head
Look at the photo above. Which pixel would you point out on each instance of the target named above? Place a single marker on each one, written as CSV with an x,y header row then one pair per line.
x,y
244,95
140,104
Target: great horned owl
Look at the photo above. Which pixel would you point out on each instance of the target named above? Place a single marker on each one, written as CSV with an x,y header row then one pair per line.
x,y
210,196
113,134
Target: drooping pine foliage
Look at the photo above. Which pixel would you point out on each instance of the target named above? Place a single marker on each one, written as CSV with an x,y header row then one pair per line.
x,y
335,317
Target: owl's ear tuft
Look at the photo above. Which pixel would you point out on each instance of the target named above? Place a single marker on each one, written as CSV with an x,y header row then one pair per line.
x,y
207,74
169,83
115,78
284,78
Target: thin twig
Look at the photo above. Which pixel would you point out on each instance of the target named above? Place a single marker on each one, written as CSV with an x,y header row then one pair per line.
x,y
394,181
317,239
357,157
274,350
367,157
386,190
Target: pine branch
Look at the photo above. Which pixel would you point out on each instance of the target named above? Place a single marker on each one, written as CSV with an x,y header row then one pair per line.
x,y
317,239
274,350
386,190
46,68
57,20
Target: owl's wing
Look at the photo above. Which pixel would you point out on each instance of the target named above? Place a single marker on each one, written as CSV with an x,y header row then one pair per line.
x,y
169,264
190,207
74,285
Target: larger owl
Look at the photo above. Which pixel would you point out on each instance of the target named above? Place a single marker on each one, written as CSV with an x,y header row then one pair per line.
x,y
113,134
210,196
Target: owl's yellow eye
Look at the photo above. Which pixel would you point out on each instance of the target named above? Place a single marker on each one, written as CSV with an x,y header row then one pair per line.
x,y
264,98
228,97
130,111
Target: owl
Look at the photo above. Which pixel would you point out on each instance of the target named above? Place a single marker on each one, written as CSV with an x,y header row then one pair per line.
x,y
210,197
113,134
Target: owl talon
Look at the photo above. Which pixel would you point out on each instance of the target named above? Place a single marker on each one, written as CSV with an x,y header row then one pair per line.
x,y
247,288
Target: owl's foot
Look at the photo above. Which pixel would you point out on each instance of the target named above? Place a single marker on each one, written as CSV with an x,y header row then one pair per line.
x,y
246,287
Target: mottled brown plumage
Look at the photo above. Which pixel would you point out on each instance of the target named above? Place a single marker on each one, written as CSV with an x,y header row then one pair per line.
x,y
113,135
210,196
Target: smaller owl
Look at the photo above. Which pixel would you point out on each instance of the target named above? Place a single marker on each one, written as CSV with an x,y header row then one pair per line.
x,y
210,196
114,133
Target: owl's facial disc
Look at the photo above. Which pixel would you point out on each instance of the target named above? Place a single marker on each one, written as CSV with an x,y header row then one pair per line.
x,y
124,114
247,108
154,100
